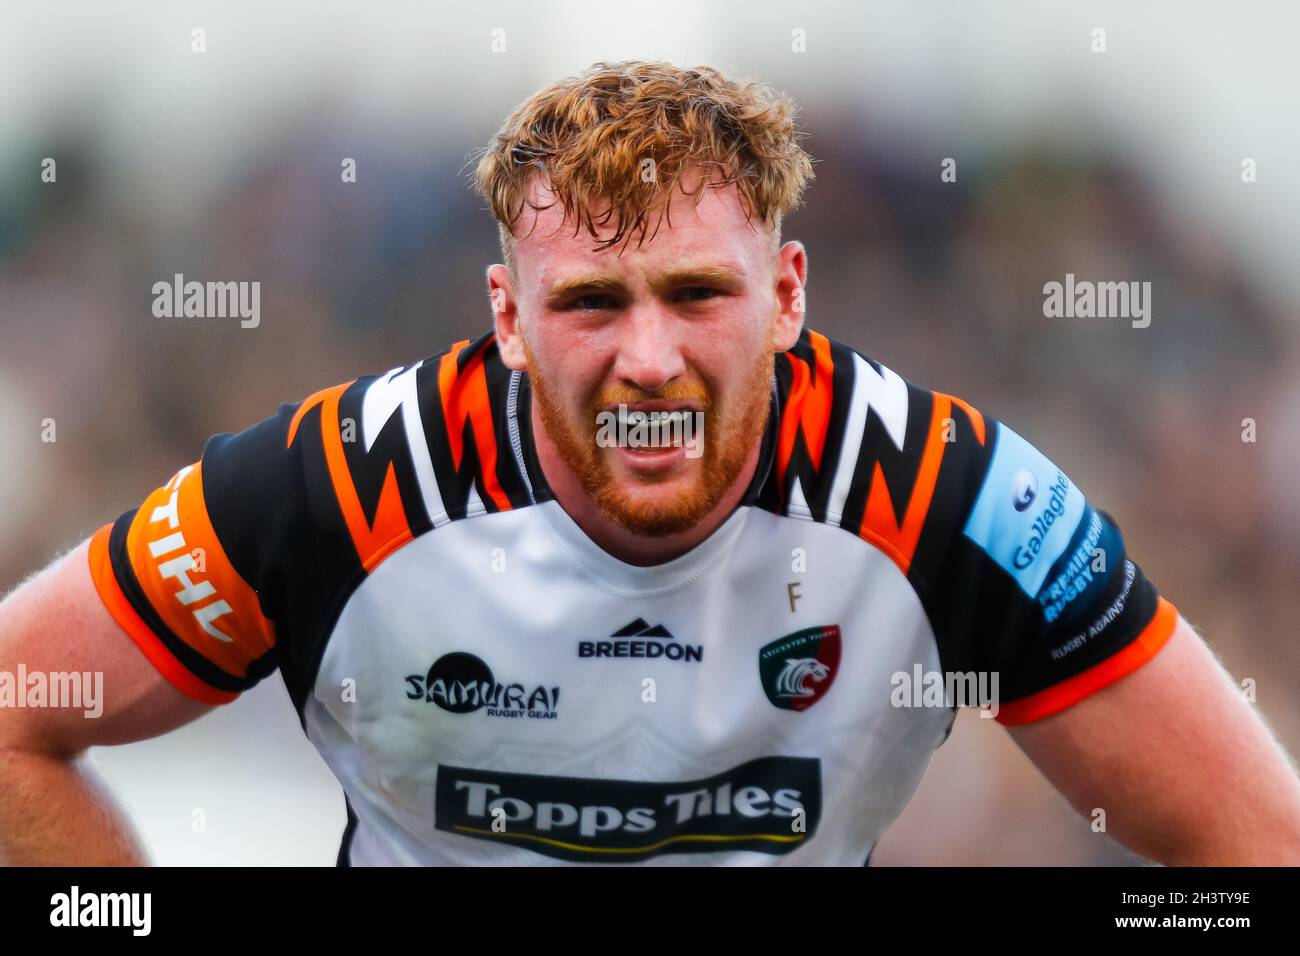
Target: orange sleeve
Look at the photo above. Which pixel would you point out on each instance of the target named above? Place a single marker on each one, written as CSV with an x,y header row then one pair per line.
x,y
1120,664
164,577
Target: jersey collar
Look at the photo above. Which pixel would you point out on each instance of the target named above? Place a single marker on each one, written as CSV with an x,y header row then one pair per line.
x,y
611,573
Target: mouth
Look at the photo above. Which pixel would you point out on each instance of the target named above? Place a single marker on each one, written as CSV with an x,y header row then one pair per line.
x,y
652,433
672,418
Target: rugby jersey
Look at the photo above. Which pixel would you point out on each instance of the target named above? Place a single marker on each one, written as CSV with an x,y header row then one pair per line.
x,y
491,687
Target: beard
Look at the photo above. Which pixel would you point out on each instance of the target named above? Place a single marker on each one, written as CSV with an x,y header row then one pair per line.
x,y
730,434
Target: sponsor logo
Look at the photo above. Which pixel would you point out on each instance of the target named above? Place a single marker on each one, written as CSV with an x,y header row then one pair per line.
x,y
639,639
1104,621
769,805
797,670
461,683
1024,489
170,540
1024,534
1054,508
1080,571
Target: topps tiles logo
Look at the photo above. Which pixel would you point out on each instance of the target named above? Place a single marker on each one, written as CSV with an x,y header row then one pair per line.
x,y
769,805
461,683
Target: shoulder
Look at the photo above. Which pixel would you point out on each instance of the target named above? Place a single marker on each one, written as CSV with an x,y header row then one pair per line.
x,y
862,448
260,538
417,446
1018,572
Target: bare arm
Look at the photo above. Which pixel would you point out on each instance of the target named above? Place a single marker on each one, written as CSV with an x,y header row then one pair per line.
x,y
1186,770
53,811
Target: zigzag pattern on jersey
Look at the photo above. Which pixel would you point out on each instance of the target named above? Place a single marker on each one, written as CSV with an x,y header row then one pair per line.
x,y
418,446
861,449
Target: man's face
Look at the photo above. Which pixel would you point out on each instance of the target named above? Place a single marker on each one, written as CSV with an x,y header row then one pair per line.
x,y
689,323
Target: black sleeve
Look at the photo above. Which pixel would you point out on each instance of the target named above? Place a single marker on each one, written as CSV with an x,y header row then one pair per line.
x,y
229,570
1030,583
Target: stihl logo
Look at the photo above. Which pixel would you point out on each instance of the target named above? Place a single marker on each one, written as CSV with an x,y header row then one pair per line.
x,y
178,568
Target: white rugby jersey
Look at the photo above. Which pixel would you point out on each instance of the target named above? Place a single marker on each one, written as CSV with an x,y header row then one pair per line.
x,y
491,687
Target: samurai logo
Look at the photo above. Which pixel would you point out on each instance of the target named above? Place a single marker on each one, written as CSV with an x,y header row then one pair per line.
x,y
461,683
797,670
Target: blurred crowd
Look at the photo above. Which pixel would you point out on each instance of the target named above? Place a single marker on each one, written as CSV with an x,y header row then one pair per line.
x,y
941,281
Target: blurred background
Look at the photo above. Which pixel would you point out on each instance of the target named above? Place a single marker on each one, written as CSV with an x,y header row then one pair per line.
x,y
1117,165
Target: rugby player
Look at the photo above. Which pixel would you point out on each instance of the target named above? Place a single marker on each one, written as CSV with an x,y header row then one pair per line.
x,y
516,643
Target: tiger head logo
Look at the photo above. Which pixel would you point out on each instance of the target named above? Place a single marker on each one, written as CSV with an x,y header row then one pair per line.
x,y
798,672
798,669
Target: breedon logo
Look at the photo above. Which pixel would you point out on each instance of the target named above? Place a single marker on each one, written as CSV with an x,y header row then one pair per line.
x,y
797,670
639,639
768,805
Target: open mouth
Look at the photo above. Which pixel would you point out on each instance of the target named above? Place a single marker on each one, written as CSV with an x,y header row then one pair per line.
x,y
653,431
658,419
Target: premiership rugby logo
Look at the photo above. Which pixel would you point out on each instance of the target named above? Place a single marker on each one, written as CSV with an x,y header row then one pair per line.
x,y
797,670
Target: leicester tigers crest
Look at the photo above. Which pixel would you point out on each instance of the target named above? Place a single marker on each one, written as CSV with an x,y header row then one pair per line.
x,y
797,670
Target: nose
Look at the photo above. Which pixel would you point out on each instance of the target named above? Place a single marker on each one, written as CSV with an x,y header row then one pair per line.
x,y
649,354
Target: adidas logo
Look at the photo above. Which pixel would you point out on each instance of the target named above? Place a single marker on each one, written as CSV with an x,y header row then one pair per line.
x,y
639,639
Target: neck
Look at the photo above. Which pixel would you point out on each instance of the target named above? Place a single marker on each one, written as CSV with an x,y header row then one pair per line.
x,y
627,546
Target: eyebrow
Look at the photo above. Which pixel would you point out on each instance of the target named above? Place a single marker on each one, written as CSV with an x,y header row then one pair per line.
x,y
608,282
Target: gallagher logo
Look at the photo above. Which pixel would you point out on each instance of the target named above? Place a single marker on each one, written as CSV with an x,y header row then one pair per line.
x,y
1053,509
630,640
461,683
797,670
1024,489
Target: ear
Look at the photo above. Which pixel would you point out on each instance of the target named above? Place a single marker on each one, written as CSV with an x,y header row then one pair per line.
x,y
791,275
505,313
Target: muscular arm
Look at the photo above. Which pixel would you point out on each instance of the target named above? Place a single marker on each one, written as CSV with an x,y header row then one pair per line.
x,y
1186,770
53,811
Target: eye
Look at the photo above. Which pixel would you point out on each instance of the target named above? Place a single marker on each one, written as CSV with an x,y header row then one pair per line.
x,y
699,293
593,301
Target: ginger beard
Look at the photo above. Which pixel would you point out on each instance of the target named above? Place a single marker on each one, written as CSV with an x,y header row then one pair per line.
x,y
730,433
